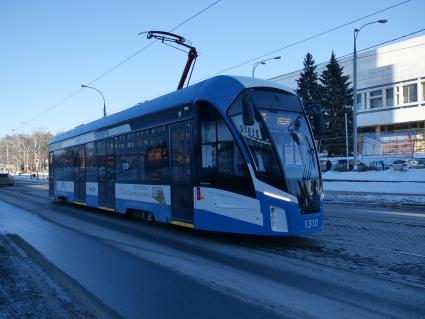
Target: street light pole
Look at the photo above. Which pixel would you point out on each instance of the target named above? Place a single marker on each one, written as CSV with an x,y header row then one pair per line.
x,y
104,104
356,33
263,62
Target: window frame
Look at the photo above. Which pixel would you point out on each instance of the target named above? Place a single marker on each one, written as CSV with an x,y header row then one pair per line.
x,y
406,98
376,98
240,180
392,96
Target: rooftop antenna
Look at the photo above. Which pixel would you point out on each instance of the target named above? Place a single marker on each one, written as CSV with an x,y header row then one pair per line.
x,y
165,37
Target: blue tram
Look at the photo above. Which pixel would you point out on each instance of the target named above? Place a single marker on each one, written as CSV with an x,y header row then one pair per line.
x,y
229,154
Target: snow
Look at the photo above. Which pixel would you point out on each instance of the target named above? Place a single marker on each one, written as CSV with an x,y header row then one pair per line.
x,y
389,187
414,188
390,181
408,175
27,178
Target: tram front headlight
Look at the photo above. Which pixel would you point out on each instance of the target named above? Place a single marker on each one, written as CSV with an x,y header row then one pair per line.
x,y
278,220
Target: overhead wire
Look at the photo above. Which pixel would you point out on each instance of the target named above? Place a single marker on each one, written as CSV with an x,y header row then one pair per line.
x,y
306,39
225,70
296,72
74,93
317,35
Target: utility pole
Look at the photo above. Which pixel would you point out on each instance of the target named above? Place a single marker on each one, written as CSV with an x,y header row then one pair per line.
x,y
346,141
356,33
103,97
262,62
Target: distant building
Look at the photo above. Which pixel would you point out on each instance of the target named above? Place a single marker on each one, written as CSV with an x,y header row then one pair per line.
x,y
391,97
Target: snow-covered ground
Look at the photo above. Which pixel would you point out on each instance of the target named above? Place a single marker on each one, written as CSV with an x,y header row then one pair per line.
x,y
27,177
389,187
409,175
413,188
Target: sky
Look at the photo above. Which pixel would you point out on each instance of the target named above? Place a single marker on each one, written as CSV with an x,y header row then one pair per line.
x,y
49,48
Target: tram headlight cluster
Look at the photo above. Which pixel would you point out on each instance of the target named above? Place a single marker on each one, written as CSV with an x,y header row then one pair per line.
x,y
278,220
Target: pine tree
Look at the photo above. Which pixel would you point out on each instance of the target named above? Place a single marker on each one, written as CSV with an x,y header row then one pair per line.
x,y
308,86
336,99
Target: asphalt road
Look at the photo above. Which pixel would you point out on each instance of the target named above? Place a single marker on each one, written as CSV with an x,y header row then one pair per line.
x,y
368,262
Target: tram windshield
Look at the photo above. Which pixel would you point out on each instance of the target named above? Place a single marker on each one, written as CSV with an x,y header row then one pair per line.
x,y
293,142
280,134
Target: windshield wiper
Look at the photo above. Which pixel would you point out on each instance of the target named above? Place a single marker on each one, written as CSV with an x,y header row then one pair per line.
x,y
293,122
308,168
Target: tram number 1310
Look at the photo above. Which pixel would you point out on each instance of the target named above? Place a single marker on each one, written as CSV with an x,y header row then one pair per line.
x,y
311,223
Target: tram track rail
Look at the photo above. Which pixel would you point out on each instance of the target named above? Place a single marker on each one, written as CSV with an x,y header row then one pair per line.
x,y
409,223
366,246
412,283
394,265
364,260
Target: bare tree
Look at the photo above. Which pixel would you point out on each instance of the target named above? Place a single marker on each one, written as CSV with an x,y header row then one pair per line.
x,y
24,152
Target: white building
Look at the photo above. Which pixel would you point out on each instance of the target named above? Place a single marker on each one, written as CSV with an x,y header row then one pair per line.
x,y
391,91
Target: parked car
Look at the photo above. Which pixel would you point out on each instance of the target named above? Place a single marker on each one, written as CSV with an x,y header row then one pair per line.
x,y
326,165
362,167
421,160
415,163
377,165
399,165
341,166
6,179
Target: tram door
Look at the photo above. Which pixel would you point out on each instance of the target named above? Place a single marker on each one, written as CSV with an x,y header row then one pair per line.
x,y
80,174
181,172
51,177
106,173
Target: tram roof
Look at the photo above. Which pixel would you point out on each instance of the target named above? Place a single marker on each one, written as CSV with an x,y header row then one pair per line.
x,y
220,91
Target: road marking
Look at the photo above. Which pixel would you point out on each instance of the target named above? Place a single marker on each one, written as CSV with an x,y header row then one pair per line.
x,y
175,222
107,208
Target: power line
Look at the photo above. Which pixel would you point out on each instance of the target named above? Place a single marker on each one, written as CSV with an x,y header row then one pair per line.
x,y
298,42
120,63
295,73
306,39
151,43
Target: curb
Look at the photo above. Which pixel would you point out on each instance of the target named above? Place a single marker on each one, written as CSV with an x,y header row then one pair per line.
x,y
347,199
369,181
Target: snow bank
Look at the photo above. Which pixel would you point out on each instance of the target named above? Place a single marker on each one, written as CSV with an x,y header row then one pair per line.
x,y
387,187
414,188
27,178
409,175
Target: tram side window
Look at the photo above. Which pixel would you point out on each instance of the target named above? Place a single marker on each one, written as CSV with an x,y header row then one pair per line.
x,y
127,160
110,168
99,152
91,163
68,164
110,160
221,165
58,165
154,158
110,146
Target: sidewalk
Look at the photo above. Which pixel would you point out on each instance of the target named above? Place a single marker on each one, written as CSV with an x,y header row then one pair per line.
x,y
380,199
27,178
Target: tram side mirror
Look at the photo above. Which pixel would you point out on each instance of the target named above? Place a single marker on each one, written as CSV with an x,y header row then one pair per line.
x,y
297,125
247,110
296,136
319,123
